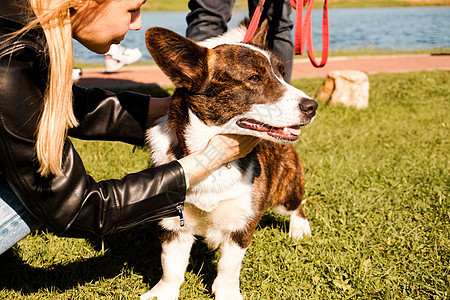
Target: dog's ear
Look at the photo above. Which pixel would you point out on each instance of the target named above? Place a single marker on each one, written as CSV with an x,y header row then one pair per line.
x,y
181,59
260,35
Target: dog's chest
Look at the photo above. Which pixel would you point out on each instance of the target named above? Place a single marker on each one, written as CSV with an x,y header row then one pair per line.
x,y
219,205
230,215
224,184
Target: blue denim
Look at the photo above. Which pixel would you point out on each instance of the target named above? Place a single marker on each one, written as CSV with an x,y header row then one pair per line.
x,y
208,18
16,222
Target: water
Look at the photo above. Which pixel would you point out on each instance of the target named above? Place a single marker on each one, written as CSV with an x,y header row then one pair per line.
x,y
393,28
408,28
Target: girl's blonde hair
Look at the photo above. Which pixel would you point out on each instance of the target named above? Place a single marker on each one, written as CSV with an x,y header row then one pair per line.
x,y
57,115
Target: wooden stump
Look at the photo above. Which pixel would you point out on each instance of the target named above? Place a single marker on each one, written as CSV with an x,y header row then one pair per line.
x,y
348,87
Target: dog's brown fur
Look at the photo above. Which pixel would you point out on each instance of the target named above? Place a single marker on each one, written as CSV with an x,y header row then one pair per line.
x,y
216,86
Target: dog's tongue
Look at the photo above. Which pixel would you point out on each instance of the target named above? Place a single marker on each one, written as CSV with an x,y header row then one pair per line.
x,y
287,133
292,130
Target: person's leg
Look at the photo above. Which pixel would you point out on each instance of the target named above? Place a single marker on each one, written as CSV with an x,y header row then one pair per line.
x,y
16,222
208,18
280,27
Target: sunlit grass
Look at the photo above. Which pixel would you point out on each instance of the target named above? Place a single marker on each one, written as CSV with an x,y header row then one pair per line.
x,y
182,5
377,191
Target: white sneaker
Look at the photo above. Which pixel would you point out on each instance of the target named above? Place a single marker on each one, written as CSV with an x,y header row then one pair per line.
x,y
76,74
119,56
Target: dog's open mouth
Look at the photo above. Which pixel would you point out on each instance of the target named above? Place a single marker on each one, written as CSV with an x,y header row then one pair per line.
x,y
286,133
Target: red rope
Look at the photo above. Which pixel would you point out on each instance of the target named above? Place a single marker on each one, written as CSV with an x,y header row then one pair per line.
x,y
254,21
303,29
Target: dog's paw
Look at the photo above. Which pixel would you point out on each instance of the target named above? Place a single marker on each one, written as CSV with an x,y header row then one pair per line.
x,y
299,227
161,291
228,295
154,296
148,296
226,292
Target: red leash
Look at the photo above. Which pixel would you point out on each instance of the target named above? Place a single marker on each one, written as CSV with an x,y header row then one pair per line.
x,y
303,29
254,22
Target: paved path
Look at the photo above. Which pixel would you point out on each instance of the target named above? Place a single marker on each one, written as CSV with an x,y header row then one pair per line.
x,y
151,74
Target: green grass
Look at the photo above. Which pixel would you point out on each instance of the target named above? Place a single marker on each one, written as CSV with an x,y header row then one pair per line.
x,y
374,51
379,3
377,199
177,5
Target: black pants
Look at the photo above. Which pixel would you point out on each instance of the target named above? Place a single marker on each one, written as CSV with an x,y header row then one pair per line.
x,y
208,18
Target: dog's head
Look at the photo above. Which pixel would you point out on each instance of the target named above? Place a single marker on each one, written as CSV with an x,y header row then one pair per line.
x,y
236,87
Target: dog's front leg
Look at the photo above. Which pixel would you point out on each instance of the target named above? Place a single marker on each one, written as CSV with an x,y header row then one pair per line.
x,y
226,284
174,261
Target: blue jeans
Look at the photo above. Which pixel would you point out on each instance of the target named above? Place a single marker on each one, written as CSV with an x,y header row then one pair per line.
x,y
16,222
208,18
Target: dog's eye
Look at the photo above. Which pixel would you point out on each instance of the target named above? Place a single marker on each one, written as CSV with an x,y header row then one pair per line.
x,y
255,78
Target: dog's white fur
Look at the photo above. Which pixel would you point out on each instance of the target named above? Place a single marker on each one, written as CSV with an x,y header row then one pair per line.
x,y
208,193
208,204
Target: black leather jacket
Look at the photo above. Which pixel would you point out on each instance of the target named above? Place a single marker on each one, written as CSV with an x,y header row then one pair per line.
x,y
75,204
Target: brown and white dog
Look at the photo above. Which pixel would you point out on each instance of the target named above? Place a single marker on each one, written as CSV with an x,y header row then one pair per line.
x,y
237,88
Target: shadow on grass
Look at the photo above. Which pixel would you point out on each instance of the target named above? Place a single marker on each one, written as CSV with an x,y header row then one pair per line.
x,y
137,249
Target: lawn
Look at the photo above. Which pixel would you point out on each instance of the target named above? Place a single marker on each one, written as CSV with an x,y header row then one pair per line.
x,y
182,5
377,192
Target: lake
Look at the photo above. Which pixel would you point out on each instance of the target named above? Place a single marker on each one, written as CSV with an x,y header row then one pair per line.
x,y
390,28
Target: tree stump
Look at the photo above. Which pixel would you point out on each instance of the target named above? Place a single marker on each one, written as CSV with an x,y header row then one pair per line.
x,y
348,87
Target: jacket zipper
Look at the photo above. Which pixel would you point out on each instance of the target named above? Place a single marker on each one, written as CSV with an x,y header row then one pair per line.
x,y
158,216
180,214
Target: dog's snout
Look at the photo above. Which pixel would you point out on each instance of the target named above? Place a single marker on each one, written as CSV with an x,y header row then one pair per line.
x,y
308,107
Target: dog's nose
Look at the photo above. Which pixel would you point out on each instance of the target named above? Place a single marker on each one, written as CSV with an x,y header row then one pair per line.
x,y
308,107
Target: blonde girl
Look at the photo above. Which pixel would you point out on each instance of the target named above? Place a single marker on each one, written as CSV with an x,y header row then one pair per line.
x,y
42,177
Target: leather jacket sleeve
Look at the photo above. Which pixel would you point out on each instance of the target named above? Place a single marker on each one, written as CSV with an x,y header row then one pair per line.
x,y
107,116
74,204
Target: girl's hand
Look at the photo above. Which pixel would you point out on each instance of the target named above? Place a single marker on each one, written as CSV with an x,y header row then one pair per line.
x,y
221,149
231,146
